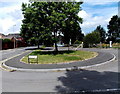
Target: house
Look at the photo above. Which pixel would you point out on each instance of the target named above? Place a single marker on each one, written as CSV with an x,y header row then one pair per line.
x,y
16,41
1,35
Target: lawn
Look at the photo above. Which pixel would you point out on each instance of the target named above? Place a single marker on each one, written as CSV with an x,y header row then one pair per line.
x,y
49,57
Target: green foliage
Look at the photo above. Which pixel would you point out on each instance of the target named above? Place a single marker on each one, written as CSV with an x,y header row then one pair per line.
x,y
6,41
42,19
102,33
114,28
7,44
91,38
72,29
77,42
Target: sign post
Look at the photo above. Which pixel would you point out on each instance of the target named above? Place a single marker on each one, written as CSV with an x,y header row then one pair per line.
x,y
32,57
110,44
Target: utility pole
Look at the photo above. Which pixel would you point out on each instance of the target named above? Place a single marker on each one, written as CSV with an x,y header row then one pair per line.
x,y
14,42
14,36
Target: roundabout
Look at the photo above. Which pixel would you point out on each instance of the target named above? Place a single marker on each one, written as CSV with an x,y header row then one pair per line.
x,y
99,74
101,58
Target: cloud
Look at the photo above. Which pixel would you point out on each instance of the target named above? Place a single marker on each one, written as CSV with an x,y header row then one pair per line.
x,y
100,2
94,21
14,1
83,14
10,15
94,15
6,24
90,23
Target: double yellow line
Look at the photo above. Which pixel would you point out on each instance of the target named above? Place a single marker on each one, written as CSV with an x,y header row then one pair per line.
x,y
6,69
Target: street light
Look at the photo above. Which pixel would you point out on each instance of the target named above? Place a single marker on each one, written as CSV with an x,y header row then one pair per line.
x,y
14,36
14,42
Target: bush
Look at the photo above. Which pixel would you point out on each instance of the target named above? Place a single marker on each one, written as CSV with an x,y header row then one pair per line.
x,y
116,44
6,40
7,44
103,45
91,39
77,42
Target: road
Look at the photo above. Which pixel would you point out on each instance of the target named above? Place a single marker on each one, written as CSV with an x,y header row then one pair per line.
x,y
5,54
100,77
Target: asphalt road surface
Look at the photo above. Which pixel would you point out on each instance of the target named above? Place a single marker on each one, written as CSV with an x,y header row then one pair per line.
x,y
94,78
5,54
102,57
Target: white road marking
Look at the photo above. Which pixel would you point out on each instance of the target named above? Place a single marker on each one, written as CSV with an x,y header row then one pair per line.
x,y
58,69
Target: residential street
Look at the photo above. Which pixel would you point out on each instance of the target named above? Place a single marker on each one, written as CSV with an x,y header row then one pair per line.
x,y
60,47
5,54
100,77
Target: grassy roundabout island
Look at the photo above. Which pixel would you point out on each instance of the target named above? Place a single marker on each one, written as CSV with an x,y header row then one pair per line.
x,y
49,57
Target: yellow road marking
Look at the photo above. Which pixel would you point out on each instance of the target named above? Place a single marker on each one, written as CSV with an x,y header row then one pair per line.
x,y
1,62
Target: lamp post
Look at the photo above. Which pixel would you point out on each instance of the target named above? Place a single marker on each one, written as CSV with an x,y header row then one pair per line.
x,y
14,36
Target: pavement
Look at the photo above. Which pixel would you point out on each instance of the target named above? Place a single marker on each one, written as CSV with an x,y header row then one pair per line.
x,y
5,54
14,63
101,78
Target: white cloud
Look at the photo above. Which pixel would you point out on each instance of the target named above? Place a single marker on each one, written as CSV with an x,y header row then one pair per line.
x,y
94,16
93,22
9,16
14,0
12,14
9,9
83,14
100,2
6,24
90,22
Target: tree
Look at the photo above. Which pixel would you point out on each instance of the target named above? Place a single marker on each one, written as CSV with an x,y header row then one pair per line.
x,y
114,28
72,28
91,38
34,27
102,33
63,19
42,20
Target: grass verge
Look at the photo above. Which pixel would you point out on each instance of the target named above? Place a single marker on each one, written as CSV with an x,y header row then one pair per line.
x,y
49,57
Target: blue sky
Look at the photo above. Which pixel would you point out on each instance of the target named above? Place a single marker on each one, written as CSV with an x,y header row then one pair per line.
x,y
94,13
97,13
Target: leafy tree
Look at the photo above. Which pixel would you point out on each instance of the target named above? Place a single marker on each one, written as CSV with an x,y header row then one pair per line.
x,y
102,33
34,27
114,28
44,20
64,19
91,38
72,28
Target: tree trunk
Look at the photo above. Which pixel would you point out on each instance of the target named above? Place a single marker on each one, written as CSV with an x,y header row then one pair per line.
x,y
38,44
56,48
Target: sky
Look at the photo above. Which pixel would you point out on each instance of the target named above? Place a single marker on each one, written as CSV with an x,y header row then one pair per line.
x,y
94,13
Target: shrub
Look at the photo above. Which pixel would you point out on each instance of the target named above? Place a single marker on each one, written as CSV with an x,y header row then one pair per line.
x,y
77,42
